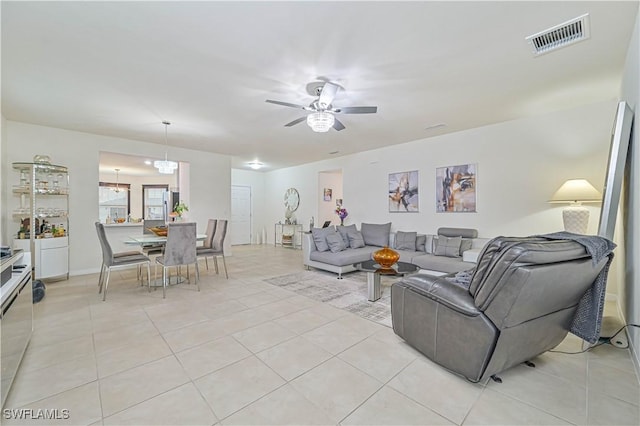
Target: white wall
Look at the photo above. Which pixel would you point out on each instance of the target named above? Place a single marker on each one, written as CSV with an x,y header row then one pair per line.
x,y
327,209
630,291
4,174
210,180
260,227
520,165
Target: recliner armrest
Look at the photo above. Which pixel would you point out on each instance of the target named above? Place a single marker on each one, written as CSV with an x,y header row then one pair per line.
x,y
442,291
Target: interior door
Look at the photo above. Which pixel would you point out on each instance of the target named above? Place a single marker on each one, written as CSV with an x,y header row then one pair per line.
x,y
240,232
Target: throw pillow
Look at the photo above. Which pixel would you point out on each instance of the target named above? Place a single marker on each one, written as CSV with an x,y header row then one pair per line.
x,y
431,242
344,230
376,234
320,237
406,240
355,239
335,242
465,245
448,246
421,243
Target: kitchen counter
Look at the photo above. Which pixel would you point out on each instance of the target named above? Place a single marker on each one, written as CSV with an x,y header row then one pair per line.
x,y
123,225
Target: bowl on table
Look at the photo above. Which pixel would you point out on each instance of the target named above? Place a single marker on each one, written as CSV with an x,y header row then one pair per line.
x,y
160,231
120,220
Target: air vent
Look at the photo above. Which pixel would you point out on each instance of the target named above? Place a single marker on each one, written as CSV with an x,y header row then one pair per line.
x,y
561,35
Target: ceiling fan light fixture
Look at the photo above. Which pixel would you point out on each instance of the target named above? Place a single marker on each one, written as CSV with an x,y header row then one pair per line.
x,y
165,166
320,121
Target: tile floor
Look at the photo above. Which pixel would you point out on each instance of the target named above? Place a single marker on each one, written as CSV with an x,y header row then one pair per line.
x,y
244,352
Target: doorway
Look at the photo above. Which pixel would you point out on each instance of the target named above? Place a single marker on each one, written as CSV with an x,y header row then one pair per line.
x,y
240,215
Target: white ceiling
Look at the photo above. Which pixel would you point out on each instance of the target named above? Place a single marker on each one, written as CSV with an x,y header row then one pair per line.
x,y
121,68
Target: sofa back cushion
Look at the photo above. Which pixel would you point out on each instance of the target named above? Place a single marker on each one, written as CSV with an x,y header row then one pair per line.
x,y
320,237
376,234
458,232
355,239
406,240
344,231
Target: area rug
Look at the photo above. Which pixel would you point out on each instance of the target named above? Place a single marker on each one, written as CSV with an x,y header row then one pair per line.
x,y
349,293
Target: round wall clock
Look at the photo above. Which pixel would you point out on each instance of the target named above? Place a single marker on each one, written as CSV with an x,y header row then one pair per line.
x,y
291,199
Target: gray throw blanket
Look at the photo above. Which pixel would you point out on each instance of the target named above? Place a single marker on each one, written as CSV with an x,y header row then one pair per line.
x,y
588,318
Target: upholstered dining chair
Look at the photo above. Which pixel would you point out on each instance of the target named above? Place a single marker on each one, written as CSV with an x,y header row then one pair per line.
x,y
152,248
205,248
119,259
179,250
217,246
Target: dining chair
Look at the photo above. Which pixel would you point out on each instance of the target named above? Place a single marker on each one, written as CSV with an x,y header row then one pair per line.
x,y
179,250
114,260
217,245
150,249
206,247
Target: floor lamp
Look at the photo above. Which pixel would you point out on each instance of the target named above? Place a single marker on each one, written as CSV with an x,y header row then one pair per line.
x,y
575,192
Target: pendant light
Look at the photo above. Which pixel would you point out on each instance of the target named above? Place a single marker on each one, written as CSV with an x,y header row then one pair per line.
x,y
165,166
117,188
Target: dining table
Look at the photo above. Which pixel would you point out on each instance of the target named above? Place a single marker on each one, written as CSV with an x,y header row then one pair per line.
x,y
145,240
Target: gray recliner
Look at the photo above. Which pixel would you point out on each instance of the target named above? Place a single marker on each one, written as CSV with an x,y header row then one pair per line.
x,y
520,301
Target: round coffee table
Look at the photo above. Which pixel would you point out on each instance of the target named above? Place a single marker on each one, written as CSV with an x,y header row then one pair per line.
x,y
374,271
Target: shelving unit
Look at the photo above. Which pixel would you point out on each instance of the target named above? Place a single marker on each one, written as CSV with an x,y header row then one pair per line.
x,y
43,217
285,235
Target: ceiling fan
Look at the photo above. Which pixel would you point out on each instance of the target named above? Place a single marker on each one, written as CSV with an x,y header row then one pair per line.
x,y
322,112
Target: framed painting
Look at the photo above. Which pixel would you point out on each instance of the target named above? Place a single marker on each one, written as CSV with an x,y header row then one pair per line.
x,y
327,194
403,192
456,189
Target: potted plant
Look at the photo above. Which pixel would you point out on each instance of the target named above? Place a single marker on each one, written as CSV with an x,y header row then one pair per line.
x,y
179,209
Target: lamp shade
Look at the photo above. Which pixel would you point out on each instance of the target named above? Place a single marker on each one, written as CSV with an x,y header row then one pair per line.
x,y
576,191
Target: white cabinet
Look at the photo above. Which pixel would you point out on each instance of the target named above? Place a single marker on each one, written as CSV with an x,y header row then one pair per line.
x,y
51,255
42,218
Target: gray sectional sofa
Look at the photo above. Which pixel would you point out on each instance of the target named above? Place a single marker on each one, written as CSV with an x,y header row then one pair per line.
x,y
338,249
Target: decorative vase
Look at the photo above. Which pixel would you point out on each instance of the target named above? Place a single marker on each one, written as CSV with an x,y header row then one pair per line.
x,y
341,222
386,257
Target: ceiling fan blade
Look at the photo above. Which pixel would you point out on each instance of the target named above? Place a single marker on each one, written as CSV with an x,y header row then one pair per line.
x,y
287,104
337,125
356,110
296,121
327,94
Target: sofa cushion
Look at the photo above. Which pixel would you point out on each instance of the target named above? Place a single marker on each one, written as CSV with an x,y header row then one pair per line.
x,y
448,265
343,258
421,243
355,239
376,234
465,245
344,231
320,237
335,242
406,240
448,246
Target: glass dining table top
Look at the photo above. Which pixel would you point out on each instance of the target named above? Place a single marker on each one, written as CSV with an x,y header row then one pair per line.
x,y
146,239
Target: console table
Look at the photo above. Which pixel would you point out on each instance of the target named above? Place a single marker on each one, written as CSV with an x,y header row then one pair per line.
x,y
285,235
